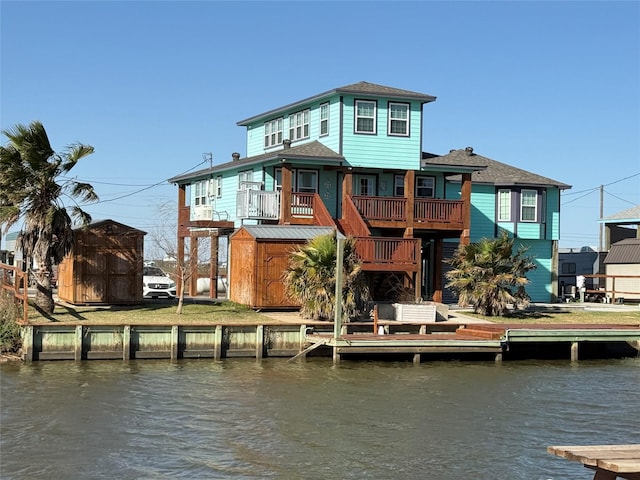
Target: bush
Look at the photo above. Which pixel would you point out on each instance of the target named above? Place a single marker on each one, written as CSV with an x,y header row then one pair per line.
x,y
10,339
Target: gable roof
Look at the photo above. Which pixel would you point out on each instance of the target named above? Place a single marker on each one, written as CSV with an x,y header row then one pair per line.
x,y
360,88
494,172
628,216
624,251
309,152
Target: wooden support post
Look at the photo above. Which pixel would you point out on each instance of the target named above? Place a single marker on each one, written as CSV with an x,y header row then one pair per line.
x,y
175,340
416,358
217,347
193,266
303,338
574,351
27,343
375,319
336,356
213,269
77,351
259,342
126,342
498,358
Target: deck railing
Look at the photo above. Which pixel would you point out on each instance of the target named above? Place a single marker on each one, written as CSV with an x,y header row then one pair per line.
x,y
385,250
441,211
395,209
14,282
258,204
302,204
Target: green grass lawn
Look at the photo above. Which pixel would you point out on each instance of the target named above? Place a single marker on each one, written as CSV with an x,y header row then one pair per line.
x,y
164,312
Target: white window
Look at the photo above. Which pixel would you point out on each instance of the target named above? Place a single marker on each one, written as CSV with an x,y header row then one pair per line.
x,y
307,181
398,185
218,189
299,125
324,119
365,116
366,185
200,192
529,206
504,205
425,187
398,119
245,179
273,133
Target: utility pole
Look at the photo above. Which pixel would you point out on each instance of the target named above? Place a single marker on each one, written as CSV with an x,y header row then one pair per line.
x,y
601,239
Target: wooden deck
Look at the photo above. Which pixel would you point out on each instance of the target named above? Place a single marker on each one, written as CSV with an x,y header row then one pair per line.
x,y
475,338
608,461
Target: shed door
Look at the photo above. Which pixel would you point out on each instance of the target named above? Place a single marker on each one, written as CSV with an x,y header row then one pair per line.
x,y
276,257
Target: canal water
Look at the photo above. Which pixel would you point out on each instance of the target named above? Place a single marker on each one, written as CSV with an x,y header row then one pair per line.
x,y
242,419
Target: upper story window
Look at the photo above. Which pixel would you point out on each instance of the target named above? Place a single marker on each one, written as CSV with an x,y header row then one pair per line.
x,y
366,185
273,133
398,119
324,119
218,186
569,268
365,116
398,185
200,192
299,125
504,205
529,206
425,187
245,179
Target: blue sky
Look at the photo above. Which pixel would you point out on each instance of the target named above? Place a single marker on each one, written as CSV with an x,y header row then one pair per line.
x,y
549,87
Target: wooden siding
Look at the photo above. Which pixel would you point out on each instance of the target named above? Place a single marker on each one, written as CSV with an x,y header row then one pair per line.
x,y
242,266
553,214
530,230
381,150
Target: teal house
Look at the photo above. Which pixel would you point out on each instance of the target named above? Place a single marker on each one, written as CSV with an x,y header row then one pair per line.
x,y
352,158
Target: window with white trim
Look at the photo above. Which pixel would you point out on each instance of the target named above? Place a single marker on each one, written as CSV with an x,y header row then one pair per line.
x,y
218,189
398,124
324,119
398,185
529,206
299,125
504,205
200,192
273,133
366,185
245,179
365,118
425,187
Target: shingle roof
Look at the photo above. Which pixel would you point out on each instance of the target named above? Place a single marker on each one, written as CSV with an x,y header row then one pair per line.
x,y
312,152
624,251
360,88
494,173
631,215
288,232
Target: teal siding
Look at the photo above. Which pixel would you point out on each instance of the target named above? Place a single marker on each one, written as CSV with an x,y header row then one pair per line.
x,y
539,287
553,214
255,132
381,150
533,231
483,211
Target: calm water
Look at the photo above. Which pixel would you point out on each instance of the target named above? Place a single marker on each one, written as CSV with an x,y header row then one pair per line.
x,y
242,419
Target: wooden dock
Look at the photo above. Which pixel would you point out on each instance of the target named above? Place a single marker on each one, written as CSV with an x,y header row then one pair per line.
x,y
297,340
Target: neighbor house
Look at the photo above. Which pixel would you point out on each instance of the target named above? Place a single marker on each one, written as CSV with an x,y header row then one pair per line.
x,y
352,158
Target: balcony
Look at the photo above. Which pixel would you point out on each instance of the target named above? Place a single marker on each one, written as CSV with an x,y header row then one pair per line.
x,y
258,205
388,254
391,212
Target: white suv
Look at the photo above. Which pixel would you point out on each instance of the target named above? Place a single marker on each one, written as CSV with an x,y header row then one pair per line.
x,y
156,283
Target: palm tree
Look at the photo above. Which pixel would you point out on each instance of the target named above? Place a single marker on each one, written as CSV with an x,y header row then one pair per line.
x,y
29,191
310,278
489,276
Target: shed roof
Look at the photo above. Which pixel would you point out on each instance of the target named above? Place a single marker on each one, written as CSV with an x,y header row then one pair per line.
x,y
489,171
287,232
624,251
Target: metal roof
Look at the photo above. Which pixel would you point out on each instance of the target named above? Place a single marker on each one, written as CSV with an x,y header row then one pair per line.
x,y
360,88
288,232
624,251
